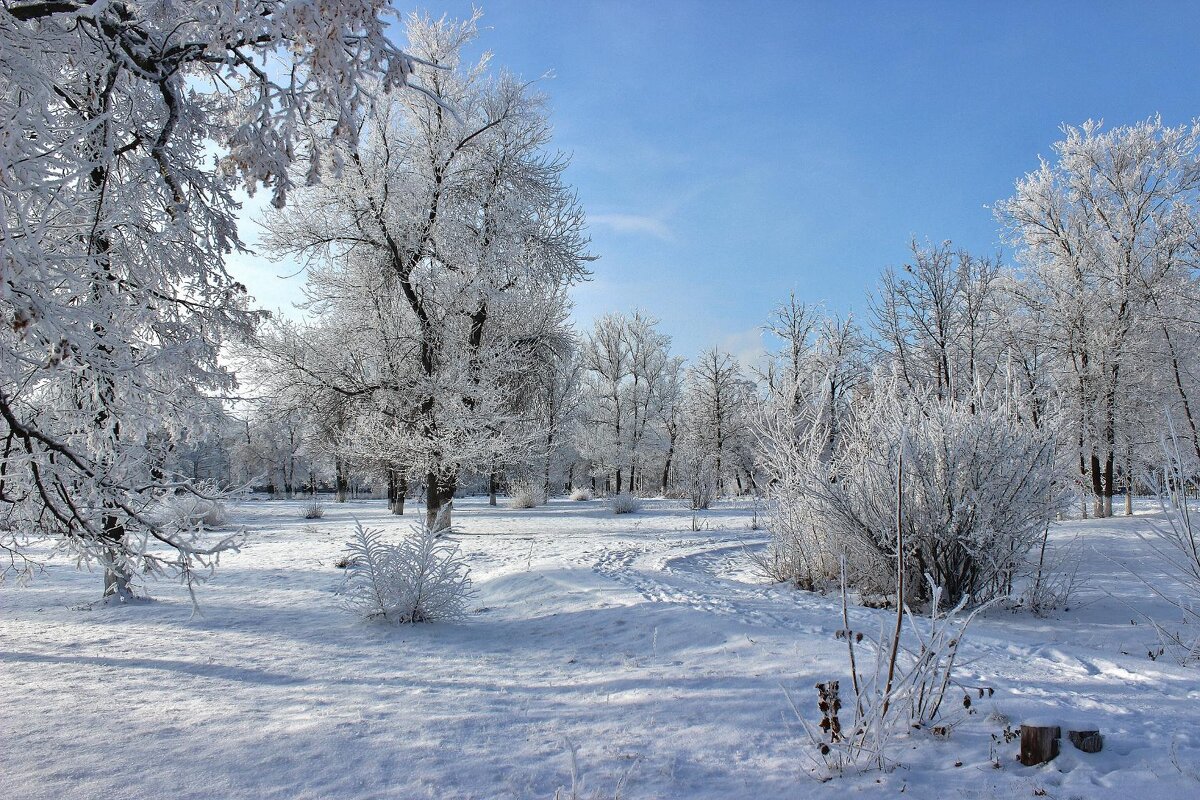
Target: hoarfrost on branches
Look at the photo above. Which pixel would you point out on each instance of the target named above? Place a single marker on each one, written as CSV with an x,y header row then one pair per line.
x,y
117,215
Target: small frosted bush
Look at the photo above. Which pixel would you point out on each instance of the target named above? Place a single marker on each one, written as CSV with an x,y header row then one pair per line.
x,y
698,476
189,512
423,578
625,503
525,496
581,493
314,510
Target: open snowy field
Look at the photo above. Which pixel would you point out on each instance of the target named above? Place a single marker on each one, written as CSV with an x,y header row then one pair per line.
x,y
649,647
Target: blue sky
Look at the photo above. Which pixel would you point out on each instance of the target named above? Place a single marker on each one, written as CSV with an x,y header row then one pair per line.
x,y
728,153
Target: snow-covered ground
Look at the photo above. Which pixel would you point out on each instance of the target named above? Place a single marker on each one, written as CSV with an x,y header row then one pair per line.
x,y
648,646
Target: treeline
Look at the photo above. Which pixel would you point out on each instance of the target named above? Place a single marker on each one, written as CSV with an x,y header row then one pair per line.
x,y
1089,336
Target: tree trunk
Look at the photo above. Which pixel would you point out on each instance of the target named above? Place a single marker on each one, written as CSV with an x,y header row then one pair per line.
x,y
1128,484
397,488
1039,744
666,475
1109,481
439,500
116,577
492,488
340,478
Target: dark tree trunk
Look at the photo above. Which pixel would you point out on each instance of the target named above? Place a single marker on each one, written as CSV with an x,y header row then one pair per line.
x,y
439,500
116,577
397,488
340,478
1109,482
666,475
1039,744
1097,486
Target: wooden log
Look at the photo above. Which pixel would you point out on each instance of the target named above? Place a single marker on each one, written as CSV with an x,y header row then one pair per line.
x,y
1039,744
1089,741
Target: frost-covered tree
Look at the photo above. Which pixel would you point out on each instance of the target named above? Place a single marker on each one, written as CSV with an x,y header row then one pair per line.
x,y
1107,232
554,397
604,437
819,361
446,236
716,415
630,387
936,320
270,450
117,218
788,369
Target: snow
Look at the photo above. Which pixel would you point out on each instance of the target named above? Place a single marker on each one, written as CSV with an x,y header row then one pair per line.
x,y
649,646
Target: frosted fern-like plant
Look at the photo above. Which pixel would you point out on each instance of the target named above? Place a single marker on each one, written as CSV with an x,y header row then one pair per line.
x,y
423,578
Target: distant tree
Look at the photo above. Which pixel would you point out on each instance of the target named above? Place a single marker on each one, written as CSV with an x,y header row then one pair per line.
x,y
630,390
716,412
936,322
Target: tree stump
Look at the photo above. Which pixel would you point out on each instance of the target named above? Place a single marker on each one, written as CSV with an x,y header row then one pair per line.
x,y
1039,744
1089,741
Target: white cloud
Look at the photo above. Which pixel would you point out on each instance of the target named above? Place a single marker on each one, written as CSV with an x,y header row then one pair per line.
x,y
747,347
633,223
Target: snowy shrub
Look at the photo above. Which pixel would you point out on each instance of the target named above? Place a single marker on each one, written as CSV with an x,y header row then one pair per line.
x,y
1177,544
979,490
525,495
423,578
189,512
797,551
580,493
625,503
578,790
314,510
696,475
